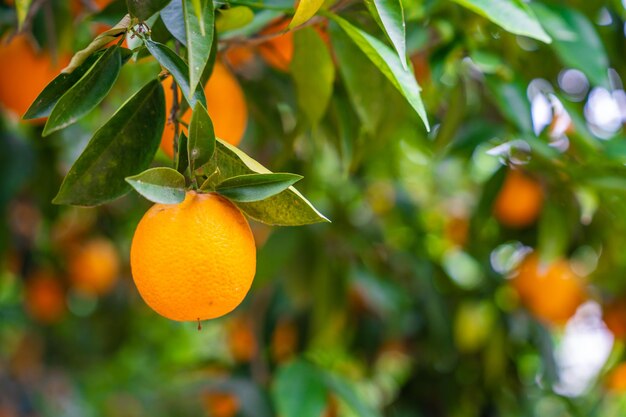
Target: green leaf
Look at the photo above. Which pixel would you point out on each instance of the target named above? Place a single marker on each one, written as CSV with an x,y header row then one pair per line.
x,y
390,17
511,15
362,79
201,143
143,9
288,208
344,390
172,16
21,9
87,93
99,41
233,18
199,30
553,236
159,185
299,390
575,41
124,146
388,63
512,102
45,101
182,162
313,71
306,10
256,187
179,70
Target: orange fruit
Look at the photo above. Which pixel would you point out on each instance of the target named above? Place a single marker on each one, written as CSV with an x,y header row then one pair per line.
x,y
44,297
241,340
614,316
24,73
94,266
551,292
277,51
226,105
520,200
238,56
284,341
194,260
616,379
220,404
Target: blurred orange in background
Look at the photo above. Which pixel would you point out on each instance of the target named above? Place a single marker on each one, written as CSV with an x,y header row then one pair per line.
x,y
520,200
44,297
226,105
551,292
25,72
94,266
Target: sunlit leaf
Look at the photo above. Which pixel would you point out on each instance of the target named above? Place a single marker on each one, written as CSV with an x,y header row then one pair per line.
x,y
159,185
512,15
390,17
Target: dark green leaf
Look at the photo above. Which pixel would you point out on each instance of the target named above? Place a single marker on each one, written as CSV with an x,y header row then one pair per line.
x,y
299,390
313,71
124,146
199,29
511,15
256,187
390,17
87,93
177,67
201,143
45,101
512,102
288,208
172,16
389,64
159,185
182,162
143,9
575,41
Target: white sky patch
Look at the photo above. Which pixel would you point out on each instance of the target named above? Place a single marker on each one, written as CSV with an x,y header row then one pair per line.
x,y
585,347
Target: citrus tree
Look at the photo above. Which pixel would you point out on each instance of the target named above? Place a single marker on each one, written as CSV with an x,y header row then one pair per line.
x,y
459,249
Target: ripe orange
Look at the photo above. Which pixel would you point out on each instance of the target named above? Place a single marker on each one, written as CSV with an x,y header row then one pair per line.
x,y
226,105
220,404
551,292
44,297
241,340
520,200
94,266
616,379
24,73
277,51
614,316
194,260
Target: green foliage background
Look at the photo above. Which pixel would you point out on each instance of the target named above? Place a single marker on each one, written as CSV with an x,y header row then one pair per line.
x,y
393,314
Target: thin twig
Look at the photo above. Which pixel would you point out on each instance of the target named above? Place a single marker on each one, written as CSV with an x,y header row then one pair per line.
x,y
175,107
